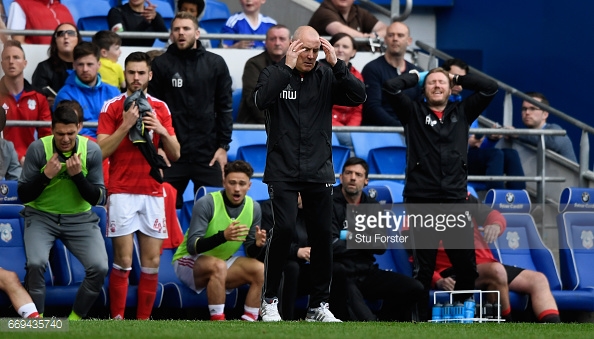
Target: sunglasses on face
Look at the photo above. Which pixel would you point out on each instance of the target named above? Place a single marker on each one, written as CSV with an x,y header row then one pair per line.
x,y
69,32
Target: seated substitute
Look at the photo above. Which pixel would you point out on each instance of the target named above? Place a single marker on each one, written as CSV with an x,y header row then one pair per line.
x,y
356,275
496,276
62,178
221,222
20,299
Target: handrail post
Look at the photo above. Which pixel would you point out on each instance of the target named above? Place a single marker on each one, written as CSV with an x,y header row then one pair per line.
x,y
584,157
540,185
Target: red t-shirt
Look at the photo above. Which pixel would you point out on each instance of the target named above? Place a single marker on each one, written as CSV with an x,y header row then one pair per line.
x,y
129,170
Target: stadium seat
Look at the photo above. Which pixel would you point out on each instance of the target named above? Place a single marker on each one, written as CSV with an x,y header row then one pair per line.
x,y
387,160
255,155
363,142
576,238
215,16
8,192
12,246
89,15
395,189
243,138
236,102
340,154
521,245
259,190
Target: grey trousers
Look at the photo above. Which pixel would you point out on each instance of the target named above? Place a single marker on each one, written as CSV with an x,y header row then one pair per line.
x,y
80,233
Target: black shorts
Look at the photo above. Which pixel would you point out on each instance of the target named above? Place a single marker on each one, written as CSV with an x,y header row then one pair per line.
x,y
512,272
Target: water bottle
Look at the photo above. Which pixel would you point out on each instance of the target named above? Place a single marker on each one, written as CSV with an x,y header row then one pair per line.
x,y
437,313
469,307
343,234
496,311
488,312
458,312
447,312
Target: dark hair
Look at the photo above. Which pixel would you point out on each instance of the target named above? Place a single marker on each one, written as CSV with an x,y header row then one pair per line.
x,y
341,35
278,26
540,96
138,57
447,65
199,5
2,118
106,39
73,104
356,161
52,51
15,43
239,166
86,48
64,115
185,15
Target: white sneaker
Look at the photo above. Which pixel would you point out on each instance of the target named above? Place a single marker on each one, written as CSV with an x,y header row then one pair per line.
x,y
321,314
269,310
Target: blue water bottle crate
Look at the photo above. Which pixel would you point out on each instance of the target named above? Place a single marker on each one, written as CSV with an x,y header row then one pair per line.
x,y
470,311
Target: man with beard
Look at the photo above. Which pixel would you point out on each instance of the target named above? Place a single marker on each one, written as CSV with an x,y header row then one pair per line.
x,y
377,111
85,85
436,132
196,85
136,203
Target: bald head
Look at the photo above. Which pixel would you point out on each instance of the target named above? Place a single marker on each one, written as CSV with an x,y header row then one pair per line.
x,y
306,32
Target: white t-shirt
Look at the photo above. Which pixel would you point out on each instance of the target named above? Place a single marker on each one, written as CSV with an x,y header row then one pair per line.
x,y
17,19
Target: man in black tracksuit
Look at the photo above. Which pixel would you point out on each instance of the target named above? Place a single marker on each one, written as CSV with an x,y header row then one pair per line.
x,y
356,275
196,86
436,132
298,94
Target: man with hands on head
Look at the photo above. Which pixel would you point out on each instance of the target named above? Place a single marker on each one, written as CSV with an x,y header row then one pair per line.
x,y
62,178
298,94
221,222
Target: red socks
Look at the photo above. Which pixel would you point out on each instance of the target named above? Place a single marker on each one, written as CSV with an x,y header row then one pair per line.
x,y
147,291
118,290
549,316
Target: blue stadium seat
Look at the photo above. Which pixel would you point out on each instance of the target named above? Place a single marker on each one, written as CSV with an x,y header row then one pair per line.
x,y
255,155
259,190
387,160
236,102
363,142
521,245
340,154
243,138
8,192
12,247
215,16
89,15
576,238
395,189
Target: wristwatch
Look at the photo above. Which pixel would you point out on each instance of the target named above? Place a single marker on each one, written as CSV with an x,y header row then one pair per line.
x,y
224,146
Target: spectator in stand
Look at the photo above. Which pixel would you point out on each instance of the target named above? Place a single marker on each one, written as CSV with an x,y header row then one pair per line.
x,y
109,44
85,85
483,157
51,74
277,42
496,276
250,21
10,168
135,17
343,16
37,14
183,77
377,110
20,100
534,117
196,8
